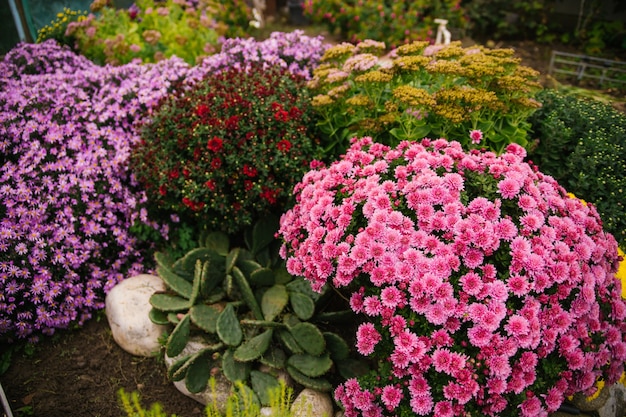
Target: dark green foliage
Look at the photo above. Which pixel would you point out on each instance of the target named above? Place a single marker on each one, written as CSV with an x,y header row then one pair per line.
x,y
582,144
253,312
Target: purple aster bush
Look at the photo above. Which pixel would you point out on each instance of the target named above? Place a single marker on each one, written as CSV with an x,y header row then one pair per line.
x,y
295,51
483,288
67,196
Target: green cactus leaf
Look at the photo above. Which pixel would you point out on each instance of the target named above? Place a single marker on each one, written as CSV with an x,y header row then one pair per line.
x,y
234,371
218,241
289,341
263,233
311,365
302,305
291,320
274,301
172,318
187,263
254,348
215,296
173,372
281,276
247,266
197,279
212,274
198,374
303,286
177,340
263,257
162,259
229,286
262,323
274,357
174,281
228,328
262,383
205,317
158,316
309,337
247,294
231,259
352,368
336,346
263,277
168,302
319,384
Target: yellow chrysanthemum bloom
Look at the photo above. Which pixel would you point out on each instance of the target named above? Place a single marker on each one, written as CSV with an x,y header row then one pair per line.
x,y
360,101
621,273
338,51
321,100
414,48
410,63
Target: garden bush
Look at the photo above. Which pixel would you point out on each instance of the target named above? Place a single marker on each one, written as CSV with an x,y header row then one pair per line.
x,y
581,143
482,287
395,22
67,197
228,148
151,31
422,90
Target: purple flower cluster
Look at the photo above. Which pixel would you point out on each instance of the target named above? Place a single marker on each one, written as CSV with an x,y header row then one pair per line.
x,y
297,52
483,287
67,197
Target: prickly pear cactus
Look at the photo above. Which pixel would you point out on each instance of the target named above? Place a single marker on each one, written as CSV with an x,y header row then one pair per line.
x,y
251,312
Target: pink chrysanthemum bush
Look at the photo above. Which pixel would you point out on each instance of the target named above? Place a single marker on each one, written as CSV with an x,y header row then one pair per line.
x,y
482,287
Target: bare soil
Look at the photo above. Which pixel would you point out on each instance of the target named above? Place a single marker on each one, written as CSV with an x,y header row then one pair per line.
x,y
79,372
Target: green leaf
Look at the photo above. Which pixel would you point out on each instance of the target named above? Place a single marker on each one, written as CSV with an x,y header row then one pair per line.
x,y
205,317
274,301
174,281
309,337
234,371
158,316
302,305
218,241
228,328
247,294
263,383
263,232
177,340
254,348
262,277
310,365
168,302
198,374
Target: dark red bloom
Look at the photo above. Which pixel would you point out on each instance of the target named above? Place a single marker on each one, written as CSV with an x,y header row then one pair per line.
x,y
215,144
232,123
269,195
281,116
249,171
284,145
295,112
210,185
247,185
173,174
186,173
162,190
216,163
202,110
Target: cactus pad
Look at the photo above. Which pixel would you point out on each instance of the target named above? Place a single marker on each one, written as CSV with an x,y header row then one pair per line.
x,y
319,384
262,277
336,346
158,316
233,370
274,301
174,281
168,302
289,341
218,241
205,317
254,348
177,340
311,365
228,328
274,357
246,293
262,384
198,373
231,259
302,305
309,337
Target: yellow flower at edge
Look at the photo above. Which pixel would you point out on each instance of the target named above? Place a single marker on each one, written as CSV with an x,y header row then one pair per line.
x,y
621,272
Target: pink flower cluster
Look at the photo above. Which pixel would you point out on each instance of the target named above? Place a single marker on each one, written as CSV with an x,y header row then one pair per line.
x,y
482,286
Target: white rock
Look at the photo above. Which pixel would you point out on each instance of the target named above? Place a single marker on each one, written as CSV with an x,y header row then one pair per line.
x,y
615,405
223,387
127,308
312,403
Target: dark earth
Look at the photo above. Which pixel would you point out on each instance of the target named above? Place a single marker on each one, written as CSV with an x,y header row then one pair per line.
x,y
79,372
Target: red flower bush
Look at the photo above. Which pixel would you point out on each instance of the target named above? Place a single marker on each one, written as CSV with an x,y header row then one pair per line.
x,y
228,150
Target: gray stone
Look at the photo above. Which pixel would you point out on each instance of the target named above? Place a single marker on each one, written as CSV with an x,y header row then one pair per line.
x,y
127,309
312,403
615,405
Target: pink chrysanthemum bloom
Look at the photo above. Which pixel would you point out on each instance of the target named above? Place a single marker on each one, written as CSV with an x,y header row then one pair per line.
x,y
471,272
476,136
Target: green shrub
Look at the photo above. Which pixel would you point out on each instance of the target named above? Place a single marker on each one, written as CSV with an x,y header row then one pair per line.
x,y
57,28
582,144
397,22
151,31
434,91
